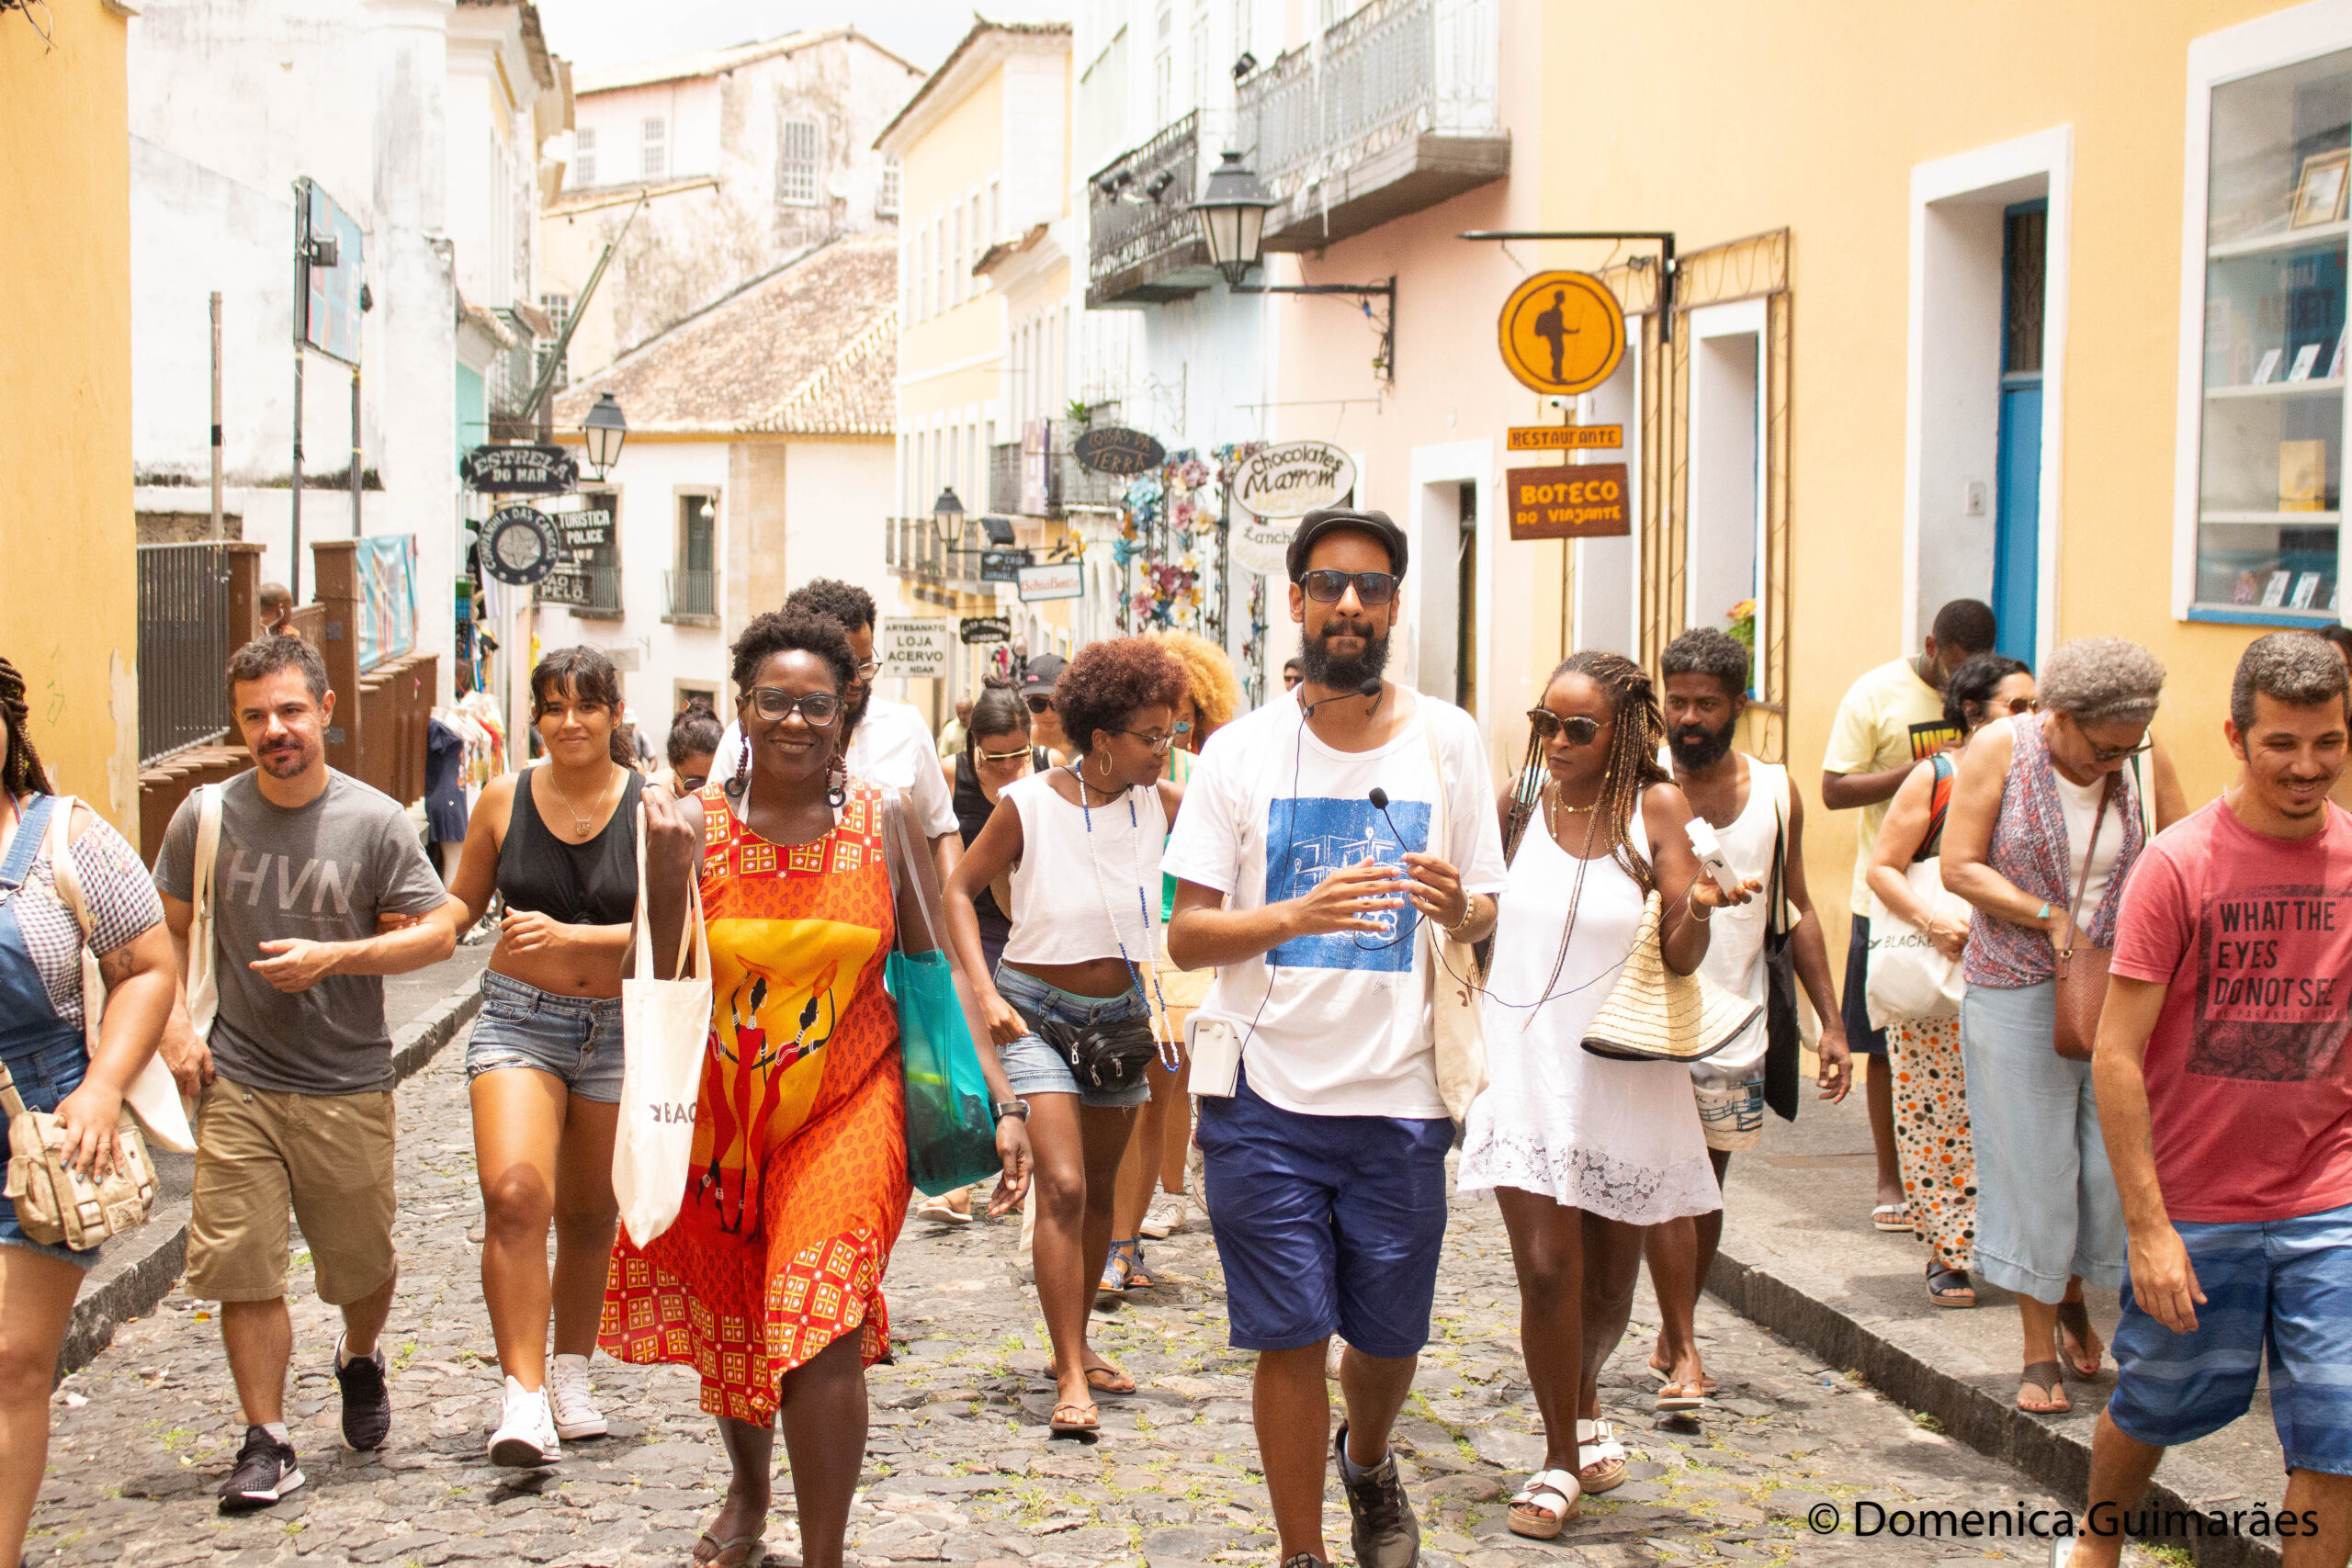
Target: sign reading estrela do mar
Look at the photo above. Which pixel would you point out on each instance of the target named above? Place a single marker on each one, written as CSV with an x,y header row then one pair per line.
x,y
1562,332
1579,503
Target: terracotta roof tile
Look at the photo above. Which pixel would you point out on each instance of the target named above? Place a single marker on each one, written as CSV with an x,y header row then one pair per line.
x,y
812,348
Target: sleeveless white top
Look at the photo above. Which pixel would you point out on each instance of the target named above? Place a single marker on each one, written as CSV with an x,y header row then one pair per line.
x,y
1088,880
1736,936
1620,1139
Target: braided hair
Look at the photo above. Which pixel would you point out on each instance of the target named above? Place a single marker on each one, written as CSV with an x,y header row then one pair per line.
x,y
20,772
1635,733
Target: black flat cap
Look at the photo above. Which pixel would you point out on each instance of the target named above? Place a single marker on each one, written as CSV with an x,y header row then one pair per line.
x,y
1332,519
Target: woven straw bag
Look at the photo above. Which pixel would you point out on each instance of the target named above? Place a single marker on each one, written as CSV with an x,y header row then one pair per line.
x,y
1656,1015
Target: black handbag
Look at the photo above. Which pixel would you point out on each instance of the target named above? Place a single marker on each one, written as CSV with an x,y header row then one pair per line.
x,y
1783,1036
1108,1056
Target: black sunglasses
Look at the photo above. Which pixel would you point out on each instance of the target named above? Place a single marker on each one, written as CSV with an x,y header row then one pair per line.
x,y
1041,705
1549,727
1326,587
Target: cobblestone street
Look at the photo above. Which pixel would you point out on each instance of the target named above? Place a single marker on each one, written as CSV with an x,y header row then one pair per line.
x,y
959,1464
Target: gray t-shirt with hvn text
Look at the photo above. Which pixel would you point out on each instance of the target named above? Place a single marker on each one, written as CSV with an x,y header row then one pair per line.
x,y
319,872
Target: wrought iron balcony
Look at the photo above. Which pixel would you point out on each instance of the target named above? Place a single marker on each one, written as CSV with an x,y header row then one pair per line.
x,y
1394,112
1144,244
1068,484
911,549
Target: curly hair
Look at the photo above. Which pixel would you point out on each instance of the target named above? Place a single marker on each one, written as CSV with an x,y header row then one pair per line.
x,y
2294,668
1972,685
1635,734
1705,651
1209,674
2102,680
1107,682
21,772
793,631
845,601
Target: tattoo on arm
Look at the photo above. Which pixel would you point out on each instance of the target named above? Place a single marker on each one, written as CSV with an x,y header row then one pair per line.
x,y
114,968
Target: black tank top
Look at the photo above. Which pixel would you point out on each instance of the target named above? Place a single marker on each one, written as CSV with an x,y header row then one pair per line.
x,y
972,813
593,883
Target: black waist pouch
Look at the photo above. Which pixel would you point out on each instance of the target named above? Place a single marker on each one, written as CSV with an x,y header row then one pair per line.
x,y
1107,1056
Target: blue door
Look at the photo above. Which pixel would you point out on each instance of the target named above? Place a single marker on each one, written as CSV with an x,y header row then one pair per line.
x,y
2017,481
2017,535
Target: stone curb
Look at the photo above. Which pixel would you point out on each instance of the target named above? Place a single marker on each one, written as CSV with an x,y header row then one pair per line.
x,y
141,1272
2057,1457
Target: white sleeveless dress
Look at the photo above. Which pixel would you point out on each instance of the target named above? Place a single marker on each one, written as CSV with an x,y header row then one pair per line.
x,y
1620,1139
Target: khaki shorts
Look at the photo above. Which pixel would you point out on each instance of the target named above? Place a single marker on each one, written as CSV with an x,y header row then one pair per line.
x,y
329,1157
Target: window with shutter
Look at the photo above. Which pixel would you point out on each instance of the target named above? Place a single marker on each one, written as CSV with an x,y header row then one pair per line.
x,y
795,165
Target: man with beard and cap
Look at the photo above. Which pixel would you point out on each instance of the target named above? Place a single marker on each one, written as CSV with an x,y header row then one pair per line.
x,y
319,888
1755,816
889,744
1305,869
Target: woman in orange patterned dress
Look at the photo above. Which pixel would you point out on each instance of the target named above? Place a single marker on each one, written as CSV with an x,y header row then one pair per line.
x,y
770,1282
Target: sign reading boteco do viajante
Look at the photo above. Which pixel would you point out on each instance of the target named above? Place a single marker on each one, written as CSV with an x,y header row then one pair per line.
x,y
1582,502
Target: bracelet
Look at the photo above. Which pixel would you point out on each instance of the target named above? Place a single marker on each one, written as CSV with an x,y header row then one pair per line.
x,y
1691,907
1469,913
1004,1108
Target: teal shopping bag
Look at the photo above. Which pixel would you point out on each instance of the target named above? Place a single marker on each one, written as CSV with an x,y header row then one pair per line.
x,y
951,1127
951,1136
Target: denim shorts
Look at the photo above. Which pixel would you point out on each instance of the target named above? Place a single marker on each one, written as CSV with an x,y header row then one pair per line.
x,y
1031,1066
1324,1223
2279,1285
576,1039
44,1076
1731,1108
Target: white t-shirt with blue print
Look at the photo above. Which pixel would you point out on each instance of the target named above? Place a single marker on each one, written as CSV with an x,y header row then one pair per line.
x,y
1269,812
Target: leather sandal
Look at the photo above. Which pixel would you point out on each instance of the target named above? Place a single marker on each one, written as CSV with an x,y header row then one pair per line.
x,y
1674,1396
1600,1458
1068,1420
1533,1513
1948,1286
2074,1324
2043,1375
1108,1378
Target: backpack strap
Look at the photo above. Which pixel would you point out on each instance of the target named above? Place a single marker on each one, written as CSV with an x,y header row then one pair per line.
x,y
1938,805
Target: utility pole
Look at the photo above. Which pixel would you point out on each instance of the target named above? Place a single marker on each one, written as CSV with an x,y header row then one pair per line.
x,y
215,416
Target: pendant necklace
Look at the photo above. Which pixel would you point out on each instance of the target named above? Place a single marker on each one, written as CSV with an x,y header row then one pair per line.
x,y
580,824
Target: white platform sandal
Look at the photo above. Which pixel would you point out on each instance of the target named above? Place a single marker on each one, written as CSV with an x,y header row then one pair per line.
x,y
1552,1497
1600,1458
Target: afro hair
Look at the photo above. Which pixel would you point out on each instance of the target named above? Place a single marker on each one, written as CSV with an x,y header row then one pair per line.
x,y
1108,680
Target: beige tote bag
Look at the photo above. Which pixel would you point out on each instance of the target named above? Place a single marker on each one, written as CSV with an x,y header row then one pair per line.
x,y
665,1027
1460,1035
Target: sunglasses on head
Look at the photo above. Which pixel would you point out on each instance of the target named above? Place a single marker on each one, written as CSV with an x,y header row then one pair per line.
x,y
1326,587
1549,727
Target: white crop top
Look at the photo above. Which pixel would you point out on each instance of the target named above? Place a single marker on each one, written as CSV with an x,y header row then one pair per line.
x,y
1088,880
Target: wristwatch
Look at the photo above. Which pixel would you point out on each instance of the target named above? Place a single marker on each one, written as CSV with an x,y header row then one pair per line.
x,y
1004,1108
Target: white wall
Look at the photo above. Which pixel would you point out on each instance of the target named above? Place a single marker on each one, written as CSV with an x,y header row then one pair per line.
x,y
836,494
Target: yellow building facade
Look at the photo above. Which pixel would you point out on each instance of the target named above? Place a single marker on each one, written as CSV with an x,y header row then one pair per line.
x,y
68,596
2038,304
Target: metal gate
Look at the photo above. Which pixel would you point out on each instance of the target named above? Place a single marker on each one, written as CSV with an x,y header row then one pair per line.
x,y
183,647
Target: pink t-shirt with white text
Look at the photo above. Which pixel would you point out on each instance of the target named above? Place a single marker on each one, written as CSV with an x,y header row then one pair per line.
x,y
2249,1086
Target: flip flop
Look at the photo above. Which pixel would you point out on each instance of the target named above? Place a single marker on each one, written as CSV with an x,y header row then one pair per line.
x,y
1674,1396
754,1553
1108,1378
2074,1324
1892,1216
1533,1517
1600,1458
1068,1420
2045,1375
938,1209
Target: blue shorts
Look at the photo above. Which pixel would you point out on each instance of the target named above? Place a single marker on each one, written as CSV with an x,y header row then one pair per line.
x,y
2283,1286
1324,1223
575,1039
44,1076
1031,1066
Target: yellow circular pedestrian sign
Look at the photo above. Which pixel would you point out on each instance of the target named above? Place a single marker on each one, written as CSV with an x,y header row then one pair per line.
x,y
1562,332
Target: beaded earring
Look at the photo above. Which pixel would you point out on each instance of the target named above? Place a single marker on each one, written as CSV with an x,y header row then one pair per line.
x,y
837,784
743,779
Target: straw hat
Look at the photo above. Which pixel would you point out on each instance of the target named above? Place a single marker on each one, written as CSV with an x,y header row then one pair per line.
x,y
1656,1015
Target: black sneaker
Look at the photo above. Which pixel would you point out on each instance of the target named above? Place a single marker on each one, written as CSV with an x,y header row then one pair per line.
x,y
366,1403
1304,1559
266,1472
1385,1533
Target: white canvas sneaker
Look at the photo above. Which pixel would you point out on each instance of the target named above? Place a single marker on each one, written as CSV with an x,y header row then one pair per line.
x,y
526,1436
576,1414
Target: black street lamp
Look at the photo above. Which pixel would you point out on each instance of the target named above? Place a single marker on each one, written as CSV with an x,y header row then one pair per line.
x,y
947,519
1232,213
603,431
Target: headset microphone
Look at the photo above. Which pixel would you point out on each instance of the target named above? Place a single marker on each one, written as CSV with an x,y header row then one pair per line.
x,y
1368,689
1379,798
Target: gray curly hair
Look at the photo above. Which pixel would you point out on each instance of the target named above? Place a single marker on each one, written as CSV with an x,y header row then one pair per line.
x,y
2294,668
2102,680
